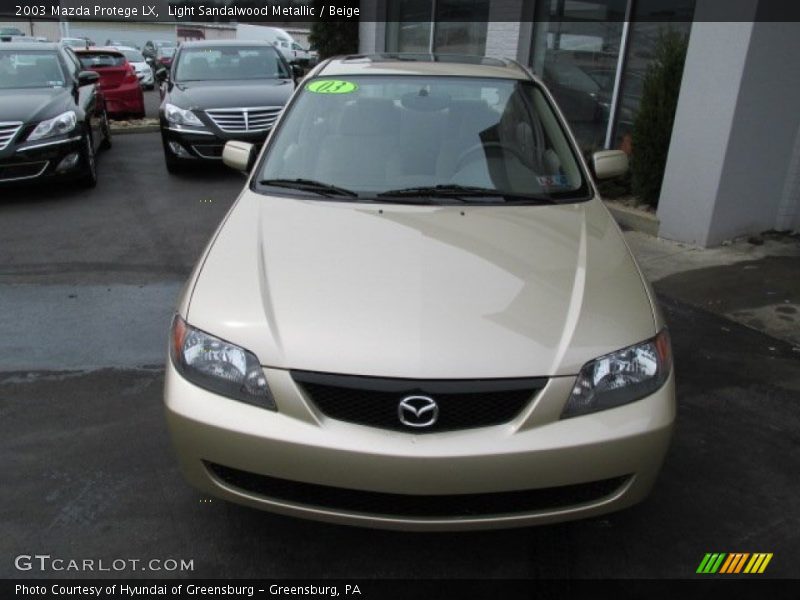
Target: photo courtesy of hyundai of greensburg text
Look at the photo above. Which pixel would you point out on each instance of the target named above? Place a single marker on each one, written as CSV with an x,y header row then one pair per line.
x,y
400,299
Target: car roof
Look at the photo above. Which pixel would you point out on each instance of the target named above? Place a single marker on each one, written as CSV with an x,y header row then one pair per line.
x,y
423,64
101,49
29,46
217,43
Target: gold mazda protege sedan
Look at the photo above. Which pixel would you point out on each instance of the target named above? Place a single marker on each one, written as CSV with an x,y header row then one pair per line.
x,y
418,314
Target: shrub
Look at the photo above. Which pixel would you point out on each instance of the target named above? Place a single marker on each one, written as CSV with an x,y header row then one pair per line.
x,y
652,128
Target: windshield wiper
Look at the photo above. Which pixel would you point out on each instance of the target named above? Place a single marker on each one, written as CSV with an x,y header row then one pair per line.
x,y
442,191
462,192
310,185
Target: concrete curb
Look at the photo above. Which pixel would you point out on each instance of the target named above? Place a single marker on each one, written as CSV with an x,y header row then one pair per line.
x,y
635,219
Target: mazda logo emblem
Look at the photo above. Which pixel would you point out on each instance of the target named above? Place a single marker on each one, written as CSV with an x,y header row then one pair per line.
x,y
418,411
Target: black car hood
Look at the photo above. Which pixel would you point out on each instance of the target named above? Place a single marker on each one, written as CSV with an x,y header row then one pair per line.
x,y
34,104
202,95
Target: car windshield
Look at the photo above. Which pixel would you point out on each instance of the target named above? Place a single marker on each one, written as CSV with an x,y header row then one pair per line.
x,y
100,60
10,31
167,51
443,139
133,55
230,62
30,69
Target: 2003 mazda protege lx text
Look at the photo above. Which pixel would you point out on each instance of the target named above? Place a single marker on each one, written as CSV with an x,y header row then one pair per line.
x,y
419,315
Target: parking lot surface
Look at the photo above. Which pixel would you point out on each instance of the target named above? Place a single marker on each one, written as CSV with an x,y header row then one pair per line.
x,y
87,282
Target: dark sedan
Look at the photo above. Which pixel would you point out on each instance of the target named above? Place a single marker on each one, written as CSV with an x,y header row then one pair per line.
x,y
52,115
220,91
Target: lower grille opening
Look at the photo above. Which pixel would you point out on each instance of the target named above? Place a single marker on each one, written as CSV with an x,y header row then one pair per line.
x,y
410,505
10,172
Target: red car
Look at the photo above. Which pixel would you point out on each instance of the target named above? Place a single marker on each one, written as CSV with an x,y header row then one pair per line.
x,y
118,81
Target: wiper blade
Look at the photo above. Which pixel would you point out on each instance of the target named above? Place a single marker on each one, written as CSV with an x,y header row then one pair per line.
x,y
310,185
461,192
446,191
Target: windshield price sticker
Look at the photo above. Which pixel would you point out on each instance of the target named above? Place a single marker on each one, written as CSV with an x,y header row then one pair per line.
x,y
332,86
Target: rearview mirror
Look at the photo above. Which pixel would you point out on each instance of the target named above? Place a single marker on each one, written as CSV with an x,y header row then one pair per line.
x,y
87,78
239,155
609,163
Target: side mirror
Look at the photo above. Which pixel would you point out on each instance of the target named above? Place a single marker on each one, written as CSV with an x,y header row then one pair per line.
x,y
609,163
87,78
239,155
162,74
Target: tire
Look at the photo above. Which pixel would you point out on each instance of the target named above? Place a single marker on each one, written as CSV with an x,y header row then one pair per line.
x,y
89,178
106,127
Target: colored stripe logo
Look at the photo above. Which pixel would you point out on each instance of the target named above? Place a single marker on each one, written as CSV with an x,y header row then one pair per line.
x,y
734,563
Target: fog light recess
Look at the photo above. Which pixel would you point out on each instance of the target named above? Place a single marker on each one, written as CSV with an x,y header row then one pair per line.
x,y
68,162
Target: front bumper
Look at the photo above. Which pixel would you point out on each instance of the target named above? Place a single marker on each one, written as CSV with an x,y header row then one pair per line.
x,y
537,468
35,161
204,144
124,100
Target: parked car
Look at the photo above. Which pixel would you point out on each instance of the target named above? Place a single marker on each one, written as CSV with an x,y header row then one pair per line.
x,y
118,81
219,91
143,70
151,47
52,115
11,34
74,42
123,43
304,57
164,57
419,314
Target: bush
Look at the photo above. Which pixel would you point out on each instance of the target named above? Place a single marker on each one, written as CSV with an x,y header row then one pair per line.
x,y
652,128
331,38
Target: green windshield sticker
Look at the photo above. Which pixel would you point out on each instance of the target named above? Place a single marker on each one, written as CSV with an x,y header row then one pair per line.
x,y
332,86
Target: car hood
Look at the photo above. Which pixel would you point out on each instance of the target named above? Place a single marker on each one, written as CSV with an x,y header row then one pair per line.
x,y
201,95
421,291
34,104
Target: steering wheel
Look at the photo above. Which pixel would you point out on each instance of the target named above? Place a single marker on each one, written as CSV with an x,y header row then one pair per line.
x,y
470,154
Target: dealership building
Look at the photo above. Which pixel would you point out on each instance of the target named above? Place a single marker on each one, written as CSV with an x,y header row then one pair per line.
x,y
733,166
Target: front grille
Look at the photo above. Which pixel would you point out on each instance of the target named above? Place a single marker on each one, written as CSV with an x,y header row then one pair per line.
x,y
413,505
7,133
375,401
245,119
19,171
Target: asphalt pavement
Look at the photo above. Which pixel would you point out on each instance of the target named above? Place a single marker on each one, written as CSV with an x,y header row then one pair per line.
x,y
87,283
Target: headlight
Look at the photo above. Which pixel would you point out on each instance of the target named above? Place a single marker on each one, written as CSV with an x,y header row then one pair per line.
x,y
621,377
180,116
218,366
63,123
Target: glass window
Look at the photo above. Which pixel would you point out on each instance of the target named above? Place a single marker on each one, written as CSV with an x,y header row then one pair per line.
x,y
382,134
100,60
459,26
230,62
409,26
575,50
643,36
30,69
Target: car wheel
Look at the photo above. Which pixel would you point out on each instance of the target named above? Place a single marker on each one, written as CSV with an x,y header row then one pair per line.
x,y
89,178
106,127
